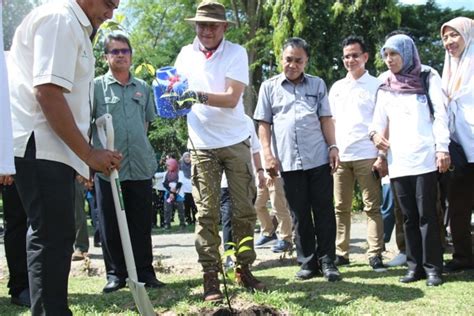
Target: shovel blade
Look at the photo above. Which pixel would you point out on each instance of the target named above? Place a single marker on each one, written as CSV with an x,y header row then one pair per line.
x,y
141,298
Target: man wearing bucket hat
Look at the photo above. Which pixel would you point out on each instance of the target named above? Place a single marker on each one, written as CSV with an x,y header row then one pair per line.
x,y
217,72
129,100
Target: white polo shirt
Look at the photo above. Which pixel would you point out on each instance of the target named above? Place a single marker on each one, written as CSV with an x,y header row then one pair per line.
x,y
51,46
414,136
352,106
212,127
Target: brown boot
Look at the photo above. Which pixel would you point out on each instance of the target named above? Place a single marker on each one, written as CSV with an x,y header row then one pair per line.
x,y
245,278
212,293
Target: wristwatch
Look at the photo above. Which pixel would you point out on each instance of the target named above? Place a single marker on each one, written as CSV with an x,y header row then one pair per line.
x,y
371,135
203,97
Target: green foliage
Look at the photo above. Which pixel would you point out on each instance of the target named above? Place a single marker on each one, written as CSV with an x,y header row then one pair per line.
x,y
158,33
169,136
147,68
371,19
363,292
357,202
235,250
13,13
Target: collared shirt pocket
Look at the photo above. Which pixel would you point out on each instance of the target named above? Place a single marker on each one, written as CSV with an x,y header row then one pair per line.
x,y
137,105
109,106
312,102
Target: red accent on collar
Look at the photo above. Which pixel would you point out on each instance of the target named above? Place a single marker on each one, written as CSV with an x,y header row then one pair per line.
x,y
207,53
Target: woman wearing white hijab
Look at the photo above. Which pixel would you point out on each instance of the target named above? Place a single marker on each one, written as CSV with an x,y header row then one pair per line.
x,y
458,85
417,147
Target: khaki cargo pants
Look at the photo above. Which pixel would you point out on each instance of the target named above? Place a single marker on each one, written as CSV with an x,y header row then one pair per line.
x,y
208,166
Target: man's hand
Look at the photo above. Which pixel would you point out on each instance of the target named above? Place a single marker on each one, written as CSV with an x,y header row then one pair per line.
x,y
334,159
6,180
270,181
443,161
186,100
273,166
380,165
261,179
380,142
103,160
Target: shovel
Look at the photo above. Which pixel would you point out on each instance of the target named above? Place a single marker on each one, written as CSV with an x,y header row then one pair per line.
x,y
105,131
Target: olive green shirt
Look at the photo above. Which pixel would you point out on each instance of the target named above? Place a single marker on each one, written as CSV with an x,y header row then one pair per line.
x,y
132,107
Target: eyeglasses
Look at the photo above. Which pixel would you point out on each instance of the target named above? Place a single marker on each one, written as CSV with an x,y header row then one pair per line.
x,y
209,26
349,56
117,51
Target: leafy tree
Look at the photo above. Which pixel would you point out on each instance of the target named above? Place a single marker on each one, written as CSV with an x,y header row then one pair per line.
x,y
13,13
157,32
252,31
325,23
371,19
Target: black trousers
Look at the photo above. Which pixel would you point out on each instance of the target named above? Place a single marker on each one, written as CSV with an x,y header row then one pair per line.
x,y
310,197
15,239
417,196
190,209
137,197
46,190
461,204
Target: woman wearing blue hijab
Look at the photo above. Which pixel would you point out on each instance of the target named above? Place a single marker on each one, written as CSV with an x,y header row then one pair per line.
x,y
416,143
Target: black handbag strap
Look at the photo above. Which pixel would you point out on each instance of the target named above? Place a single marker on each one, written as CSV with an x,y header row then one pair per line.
x,y
425,82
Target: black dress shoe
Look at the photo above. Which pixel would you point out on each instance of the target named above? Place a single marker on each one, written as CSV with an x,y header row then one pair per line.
x,y
330,271
22,299
154,284
457,265
113,286
305,274
412,276
341,261
433,279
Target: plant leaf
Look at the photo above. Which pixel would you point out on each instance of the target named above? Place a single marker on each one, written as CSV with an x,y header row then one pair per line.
x,y
138,69
181,102
244,249
230,275
227,253
232,244
244,240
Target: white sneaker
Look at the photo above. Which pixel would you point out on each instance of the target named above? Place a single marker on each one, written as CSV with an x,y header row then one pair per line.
x,y
398,260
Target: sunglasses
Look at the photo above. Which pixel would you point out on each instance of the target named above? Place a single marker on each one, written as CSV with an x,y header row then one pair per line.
x,y
117,51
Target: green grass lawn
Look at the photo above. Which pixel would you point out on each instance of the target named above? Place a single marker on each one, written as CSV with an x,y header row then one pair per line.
x,y
362,292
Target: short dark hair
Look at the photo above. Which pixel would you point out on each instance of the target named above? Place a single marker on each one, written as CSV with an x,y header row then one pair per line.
x,y
298,43
116,37
353,39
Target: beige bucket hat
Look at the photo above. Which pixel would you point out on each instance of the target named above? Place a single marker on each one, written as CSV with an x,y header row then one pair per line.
x,y
210,11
